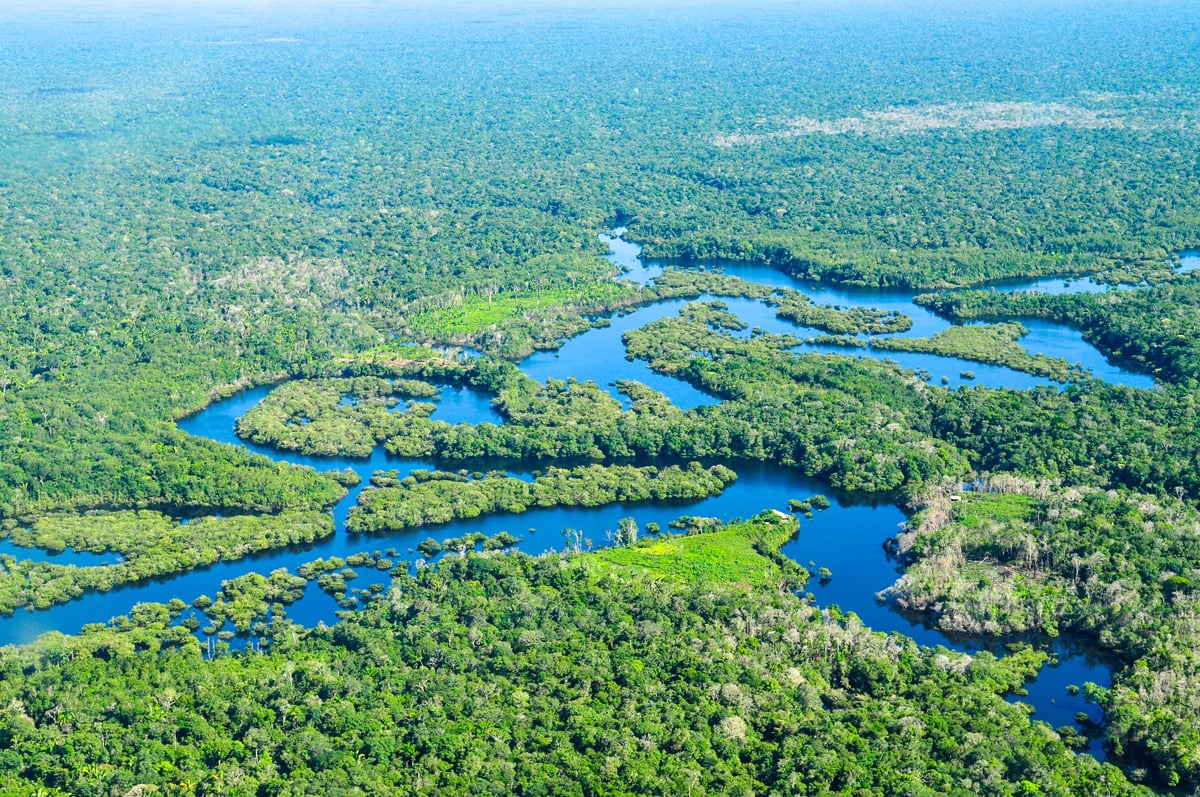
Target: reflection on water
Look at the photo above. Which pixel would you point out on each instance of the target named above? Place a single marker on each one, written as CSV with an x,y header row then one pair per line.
x,y
847,538
1189,261
68,556
458,404
1044,337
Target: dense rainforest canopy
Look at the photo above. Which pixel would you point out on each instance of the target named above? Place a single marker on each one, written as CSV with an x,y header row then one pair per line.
x,y
195,202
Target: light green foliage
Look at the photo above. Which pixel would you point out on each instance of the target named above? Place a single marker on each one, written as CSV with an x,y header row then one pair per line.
x,y
790,304
446,684
428,498
1118,567
532,315
744,554
244,600
148,543
345,417
995,344
1154,329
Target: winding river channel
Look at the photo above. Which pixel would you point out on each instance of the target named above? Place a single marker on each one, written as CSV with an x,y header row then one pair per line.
x,y
847,538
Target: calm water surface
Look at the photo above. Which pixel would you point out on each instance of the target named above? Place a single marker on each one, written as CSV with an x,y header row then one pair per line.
x,y
1044,337
847,538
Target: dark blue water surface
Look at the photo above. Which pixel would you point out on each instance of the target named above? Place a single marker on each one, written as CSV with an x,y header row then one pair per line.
x,y
69,556
599,355
847,538
1044,337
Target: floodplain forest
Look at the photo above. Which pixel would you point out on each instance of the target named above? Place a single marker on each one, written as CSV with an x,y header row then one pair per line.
x,y
369,205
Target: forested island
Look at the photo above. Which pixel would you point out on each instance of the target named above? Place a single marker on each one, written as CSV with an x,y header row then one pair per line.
x,y
368,213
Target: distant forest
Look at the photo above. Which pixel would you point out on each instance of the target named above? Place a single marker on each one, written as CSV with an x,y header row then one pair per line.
x,y
194,202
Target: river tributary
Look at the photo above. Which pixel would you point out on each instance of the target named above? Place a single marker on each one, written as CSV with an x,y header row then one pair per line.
x,y
847,538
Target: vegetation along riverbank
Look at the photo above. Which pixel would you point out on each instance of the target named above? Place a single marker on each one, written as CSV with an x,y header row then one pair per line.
x,y
391,224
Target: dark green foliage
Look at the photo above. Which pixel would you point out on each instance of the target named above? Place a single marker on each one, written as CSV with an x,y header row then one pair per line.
x,y
1087,434
440,498
179,220
504,673
861,425
1156,329
1117,567
149,544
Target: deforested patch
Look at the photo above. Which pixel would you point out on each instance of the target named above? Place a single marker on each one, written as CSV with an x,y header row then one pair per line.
x,y
915,119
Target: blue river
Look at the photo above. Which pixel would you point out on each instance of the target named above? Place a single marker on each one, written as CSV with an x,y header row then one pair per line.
x,y
847,538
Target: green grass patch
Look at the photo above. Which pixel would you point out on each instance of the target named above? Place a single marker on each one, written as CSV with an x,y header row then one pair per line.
x,y
471,315
978,508
733,554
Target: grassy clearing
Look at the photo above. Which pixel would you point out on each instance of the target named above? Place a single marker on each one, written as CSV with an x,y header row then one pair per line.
x,y
977,508
735,554
470,315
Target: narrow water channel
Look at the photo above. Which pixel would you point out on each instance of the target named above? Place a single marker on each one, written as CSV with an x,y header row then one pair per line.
x,y
1044,337
847,538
